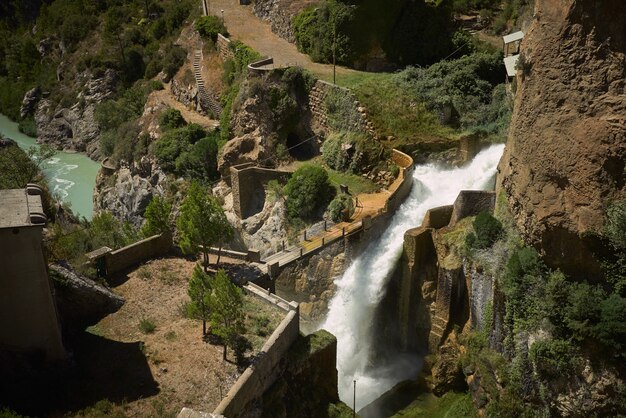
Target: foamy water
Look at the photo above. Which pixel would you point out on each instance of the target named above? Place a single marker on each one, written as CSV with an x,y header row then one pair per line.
x,y
363,285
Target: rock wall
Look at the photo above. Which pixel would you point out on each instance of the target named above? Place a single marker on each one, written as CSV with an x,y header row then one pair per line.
x,y
278,13
319,110
566,152
127,192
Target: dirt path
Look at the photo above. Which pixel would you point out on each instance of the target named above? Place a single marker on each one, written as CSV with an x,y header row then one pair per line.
x,y
166,98
243,25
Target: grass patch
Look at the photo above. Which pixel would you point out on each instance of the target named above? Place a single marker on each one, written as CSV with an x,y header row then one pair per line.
x,y
356,184
170,336
261,320
147,326
450,405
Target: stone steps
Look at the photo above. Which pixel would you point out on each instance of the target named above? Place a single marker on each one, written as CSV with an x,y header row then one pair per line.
x,y
206,100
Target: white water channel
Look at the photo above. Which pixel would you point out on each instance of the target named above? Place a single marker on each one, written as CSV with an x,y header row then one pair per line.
x,y
351,312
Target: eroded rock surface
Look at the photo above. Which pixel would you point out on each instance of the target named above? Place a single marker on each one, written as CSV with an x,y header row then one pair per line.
x,y
75,128
566,152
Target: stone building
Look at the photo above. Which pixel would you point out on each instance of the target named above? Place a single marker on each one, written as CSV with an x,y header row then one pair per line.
x,y
28,317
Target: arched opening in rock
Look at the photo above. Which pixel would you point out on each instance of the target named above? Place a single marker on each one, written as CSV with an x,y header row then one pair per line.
x,y
300,149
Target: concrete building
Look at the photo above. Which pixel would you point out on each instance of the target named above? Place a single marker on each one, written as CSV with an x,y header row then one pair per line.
x,y
28,315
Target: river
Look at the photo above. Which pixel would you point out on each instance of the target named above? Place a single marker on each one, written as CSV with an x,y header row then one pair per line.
x,y
363,285
71,176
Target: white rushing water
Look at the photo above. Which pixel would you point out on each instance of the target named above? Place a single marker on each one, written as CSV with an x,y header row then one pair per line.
x,y
361,288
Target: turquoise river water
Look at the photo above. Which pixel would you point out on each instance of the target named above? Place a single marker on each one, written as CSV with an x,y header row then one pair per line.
x,y
71,176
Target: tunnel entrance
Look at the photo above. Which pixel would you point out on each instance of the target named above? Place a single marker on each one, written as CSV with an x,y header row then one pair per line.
x,y
300,149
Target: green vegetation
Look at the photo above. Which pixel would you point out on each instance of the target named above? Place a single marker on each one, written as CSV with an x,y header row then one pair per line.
x,y
70,242
408,33
133,38
147,326
227,314
356,184
20,168
235,71
120,137
157,216
308,192
189,151
201,223
353,152
341,208
171,119
321,32
210,26
571,320
615,233
28,127
487,230
199,291
450,405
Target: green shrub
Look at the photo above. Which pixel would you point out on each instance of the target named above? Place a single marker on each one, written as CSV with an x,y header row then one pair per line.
x,y
353,152
210,26
171,118
261,324
487,230
308,191
338,207
147,326
28,127
175,143
553,358
157,216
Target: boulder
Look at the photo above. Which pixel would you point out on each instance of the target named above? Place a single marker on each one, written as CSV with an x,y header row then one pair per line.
x,y
29,101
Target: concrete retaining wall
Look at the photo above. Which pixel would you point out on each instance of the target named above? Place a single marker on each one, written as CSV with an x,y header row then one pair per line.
x,y
257,378
438,217
471,203
125,257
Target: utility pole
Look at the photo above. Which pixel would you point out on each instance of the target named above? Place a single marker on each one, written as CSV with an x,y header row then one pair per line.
x,y
354,402
334,48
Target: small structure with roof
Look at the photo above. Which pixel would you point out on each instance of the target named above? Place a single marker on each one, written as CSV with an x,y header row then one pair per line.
x,y
28,316
511,50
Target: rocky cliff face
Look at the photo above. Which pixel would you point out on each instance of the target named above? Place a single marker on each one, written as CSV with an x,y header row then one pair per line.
x,y
566,152
279,13
75,128
127,192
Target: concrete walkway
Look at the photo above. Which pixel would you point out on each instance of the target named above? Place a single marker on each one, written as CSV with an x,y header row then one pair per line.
x,y
244,26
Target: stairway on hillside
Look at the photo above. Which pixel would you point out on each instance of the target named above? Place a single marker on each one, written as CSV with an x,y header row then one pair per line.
x,y
207,101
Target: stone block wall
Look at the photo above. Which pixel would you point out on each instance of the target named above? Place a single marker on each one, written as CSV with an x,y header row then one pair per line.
x,y
223,47
258,377
248,186
136,253
319,111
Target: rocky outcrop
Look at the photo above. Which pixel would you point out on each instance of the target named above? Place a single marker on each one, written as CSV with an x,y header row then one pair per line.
x,y
127,192
566,152
75,128
81,301
29,101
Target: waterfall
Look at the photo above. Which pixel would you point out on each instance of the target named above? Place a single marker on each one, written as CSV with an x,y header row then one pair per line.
x,y
361,288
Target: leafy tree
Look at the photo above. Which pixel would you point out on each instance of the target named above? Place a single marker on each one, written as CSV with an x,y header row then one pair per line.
x,y
201,223
226,310
199,290
308,190
157,216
